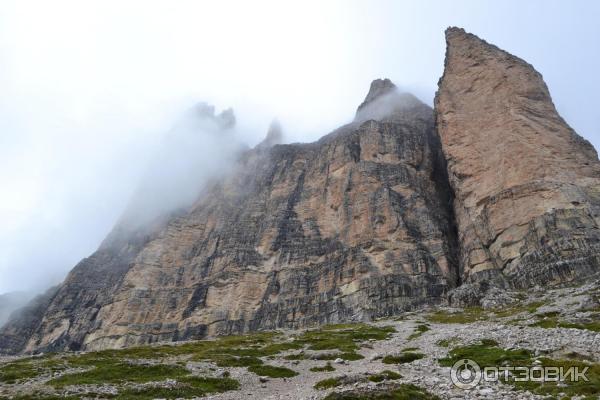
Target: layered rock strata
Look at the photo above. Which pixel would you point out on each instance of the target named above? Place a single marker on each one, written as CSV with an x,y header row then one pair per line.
x,y
355,226
527,186
382,215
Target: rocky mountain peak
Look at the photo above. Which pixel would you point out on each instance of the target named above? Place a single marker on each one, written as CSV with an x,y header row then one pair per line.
x,y
206,113
385,102
467,46
274,135
517,169
375,218
455,31
353,227
456,36
379,87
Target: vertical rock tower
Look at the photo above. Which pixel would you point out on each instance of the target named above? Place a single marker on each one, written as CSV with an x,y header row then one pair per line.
x,y
527,187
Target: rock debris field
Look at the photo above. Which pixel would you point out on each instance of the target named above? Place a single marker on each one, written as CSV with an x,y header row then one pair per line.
x,y
405,357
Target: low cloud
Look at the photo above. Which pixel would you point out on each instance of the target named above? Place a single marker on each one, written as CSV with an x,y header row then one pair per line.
x,y
200,147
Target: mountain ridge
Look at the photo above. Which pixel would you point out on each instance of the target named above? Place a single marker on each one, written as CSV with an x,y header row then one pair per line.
x,y
405,206
351,227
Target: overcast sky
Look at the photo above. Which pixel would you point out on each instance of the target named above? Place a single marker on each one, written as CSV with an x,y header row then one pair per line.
x,y
88,89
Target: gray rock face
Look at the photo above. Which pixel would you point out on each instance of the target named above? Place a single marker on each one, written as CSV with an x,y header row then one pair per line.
x,y
355,226
527,186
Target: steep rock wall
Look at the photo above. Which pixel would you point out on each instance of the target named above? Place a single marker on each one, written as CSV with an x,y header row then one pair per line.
x,y
355,226
527,186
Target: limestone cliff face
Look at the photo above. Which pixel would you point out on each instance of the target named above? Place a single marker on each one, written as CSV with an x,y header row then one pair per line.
x,y
527,186
354,226
381,215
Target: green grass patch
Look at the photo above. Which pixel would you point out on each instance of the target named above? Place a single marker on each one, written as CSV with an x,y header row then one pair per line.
x,y
549,314
489,342
272,371
403,358
475,314
351,356
467,316
232,361
488,354
297,356
554,322
327,356
152,392
261,344
580,389
518,309
27,368
347,356
119,367
113,365
211,385
186,388
590,326
328,383
120,373
384,376
401,392
326,368
447,342
18,370
343,337
419,330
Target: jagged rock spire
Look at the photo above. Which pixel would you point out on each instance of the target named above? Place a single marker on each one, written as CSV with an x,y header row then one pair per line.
x,y
526,184
385,102
224,120
379,87
274,135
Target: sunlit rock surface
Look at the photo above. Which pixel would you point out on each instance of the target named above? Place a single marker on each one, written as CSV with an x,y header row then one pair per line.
x,y
527,186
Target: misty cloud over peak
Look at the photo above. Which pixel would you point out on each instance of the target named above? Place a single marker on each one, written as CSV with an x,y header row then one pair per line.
x,y
201,146
274,135
206,114
385,101
90,89
379,87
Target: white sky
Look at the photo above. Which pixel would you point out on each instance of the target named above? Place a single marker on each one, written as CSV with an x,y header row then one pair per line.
x,y
88,88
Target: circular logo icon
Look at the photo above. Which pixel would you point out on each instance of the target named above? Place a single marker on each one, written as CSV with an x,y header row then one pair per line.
x,y
465,374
